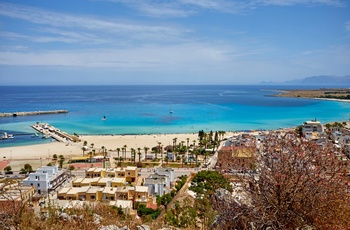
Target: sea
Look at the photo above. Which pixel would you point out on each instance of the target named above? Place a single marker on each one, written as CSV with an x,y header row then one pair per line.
x,y
159,109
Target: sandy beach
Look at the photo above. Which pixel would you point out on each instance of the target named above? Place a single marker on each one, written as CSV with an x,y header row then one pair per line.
x,y
42,153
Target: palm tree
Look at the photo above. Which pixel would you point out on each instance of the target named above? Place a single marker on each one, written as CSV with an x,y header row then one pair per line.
x,y
155,151
183,160
132,152
160,150
104,157
118,150
61,160
125,151
83,148
139,153
145,149
188,141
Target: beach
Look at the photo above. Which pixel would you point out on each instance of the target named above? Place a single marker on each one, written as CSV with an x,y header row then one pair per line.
x,y
41,154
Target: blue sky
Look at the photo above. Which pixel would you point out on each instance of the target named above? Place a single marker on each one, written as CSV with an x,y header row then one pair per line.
x,y
172,42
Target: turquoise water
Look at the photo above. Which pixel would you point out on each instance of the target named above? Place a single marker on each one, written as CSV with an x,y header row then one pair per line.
x,y
146,109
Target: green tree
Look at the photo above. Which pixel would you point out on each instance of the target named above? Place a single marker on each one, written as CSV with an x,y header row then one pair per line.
x,y
84,147
118,151
60,161
139,153
7,168
145,149
27,168
206,182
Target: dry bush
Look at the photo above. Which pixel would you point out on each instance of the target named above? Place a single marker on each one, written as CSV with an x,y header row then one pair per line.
x,y
78,218
300,185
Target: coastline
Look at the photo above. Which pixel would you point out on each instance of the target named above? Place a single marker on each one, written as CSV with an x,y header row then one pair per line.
x,y
42,153
319,94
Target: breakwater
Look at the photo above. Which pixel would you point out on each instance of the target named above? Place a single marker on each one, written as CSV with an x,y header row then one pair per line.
x,y
48,130
15,114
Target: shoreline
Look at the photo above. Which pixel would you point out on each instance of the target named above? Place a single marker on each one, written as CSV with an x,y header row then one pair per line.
x,y
41,154
318,94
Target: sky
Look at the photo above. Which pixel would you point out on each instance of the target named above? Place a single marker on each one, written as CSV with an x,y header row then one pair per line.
x,y
122,42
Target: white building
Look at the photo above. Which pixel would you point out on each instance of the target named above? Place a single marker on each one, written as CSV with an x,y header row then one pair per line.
x,y
156,184
310,127
168,172
46,179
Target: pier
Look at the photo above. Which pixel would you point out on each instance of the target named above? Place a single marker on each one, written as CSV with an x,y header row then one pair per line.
x,y
15,114
49,131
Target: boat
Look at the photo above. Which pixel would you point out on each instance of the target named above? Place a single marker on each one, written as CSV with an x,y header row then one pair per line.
x,y
4,136
103,118
10,136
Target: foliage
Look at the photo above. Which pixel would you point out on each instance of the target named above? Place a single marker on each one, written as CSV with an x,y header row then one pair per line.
x,y
181,182
165,199
206,182
7,168
182,216
147,213
21,216
27,168
303,185
61,160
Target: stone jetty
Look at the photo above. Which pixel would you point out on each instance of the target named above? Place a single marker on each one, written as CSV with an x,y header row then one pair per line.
x,y
15,114
48,130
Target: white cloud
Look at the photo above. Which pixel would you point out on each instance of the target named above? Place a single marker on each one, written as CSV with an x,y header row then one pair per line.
x,y
145,57
335,3
183,8
82,25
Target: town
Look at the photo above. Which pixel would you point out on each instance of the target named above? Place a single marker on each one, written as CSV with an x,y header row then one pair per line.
x,y
147,190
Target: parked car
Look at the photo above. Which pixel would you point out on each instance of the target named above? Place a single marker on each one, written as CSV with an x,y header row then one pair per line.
x,y
8,172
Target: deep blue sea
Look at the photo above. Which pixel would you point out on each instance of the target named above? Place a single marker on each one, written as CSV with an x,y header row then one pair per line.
x,y
146,109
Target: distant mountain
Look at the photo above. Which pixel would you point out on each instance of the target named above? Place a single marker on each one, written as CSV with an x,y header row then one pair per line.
x,y
315,80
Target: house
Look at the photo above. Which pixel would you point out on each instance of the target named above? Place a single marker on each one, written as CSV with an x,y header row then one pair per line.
x,y
156,184
46,179
169,172
236,158
309,128
135,194
125,205
13,196
98,181
130,173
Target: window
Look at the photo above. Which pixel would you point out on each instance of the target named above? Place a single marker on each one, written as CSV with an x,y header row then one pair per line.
x,y
92,197
38,185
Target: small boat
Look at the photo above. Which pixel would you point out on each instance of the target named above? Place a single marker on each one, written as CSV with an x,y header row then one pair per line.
x,y
103,118
45,137
10,136
4,136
